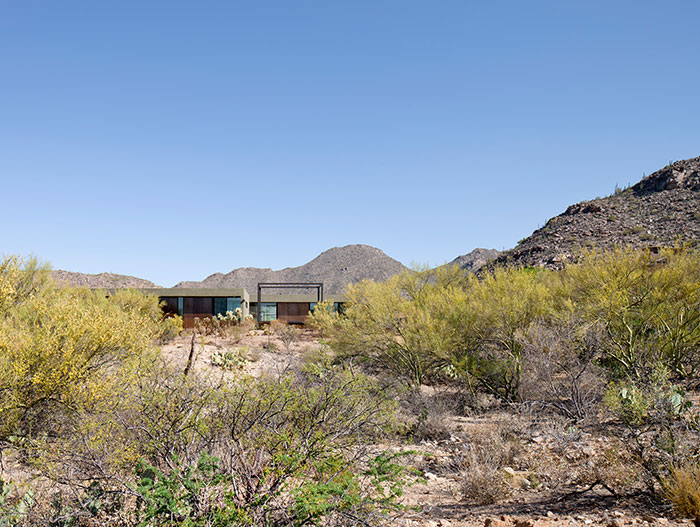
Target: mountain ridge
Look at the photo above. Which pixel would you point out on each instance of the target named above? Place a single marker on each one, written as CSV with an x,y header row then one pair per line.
x,y
661,210
100,280
336,268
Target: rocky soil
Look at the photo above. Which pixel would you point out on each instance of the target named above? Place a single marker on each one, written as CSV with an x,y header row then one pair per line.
x,y
555,474
662,210
552,480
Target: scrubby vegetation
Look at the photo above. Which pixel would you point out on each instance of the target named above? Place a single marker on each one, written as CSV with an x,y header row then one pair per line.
x,y
613,337
109,433
106,431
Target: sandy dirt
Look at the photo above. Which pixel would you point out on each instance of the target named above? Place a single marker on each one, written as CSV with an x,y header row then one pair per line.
x,y
259,353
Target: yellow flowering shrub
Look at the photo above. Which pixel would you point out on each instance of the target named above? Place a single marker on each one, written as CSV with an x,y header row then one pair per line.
x,y
59,346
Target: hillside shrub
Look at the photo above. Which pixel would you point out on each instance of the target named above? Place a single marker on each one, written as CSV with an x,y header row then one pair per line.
x,y
649,305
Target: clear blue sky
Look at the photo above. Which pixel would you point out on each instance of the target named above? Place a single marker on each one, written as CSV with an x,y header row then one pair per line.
x,y
170,140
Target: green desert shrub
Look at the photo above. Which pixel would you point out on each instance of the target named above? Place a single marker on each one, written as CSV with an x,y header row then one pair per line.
x,y
14,506
423,326
401,326
227,359
440,324
649,305
170,328
285,450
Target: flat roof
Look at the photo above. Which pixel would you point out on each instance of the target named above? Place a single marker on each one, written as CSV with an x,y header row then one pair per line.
x,y
197,291
305,297
241,293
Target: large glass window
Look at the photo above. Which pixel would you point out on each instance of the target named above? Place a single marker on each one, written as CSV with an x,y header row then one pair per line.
x,y
268,311
224,304
180,306
219,306
188,305
170,307
233,303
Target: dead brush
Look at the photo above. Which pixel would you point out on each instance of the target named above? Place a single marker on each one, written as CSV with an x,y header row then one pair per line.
x,y
559,370
287,334
683,490
570,459
429,416
490,449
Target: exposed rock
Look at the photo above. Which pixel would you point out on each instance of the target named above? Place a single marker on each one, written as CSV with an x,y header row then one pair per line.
x,y
662,210
517,479
476,259
679,175
583,208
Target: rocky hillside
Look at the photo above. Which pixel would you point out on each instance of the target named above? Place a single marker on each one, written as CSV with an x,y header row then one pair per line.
x,y
475,260
100,281
336,268
661,210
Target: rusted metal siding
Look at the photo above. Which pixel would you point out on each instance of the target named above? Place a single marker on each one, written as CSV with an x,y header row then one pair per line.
x,y
292,312
196,307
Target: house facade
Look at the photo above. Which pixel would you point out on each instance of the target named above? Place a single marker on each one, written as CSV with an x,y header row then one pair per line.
x,y
201,303
206,303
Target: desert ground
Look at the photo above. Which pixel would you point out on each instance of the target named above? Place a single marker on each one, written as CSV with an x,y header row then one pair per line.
x,y
557,473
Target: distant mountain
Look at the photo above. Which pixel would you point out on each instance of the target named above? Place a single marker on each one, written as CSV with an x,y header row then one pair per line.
x,y
336,268
661,210
100,281
475,260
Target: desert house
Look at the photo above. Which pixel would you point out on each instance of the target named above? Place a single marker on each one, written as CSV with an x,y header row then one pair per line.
x,y
205,303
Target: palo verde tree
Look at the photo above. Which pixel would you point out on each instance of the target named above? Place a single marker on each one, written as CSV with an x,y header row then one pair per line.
x,y
420,323
60,347
403,325
649,305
